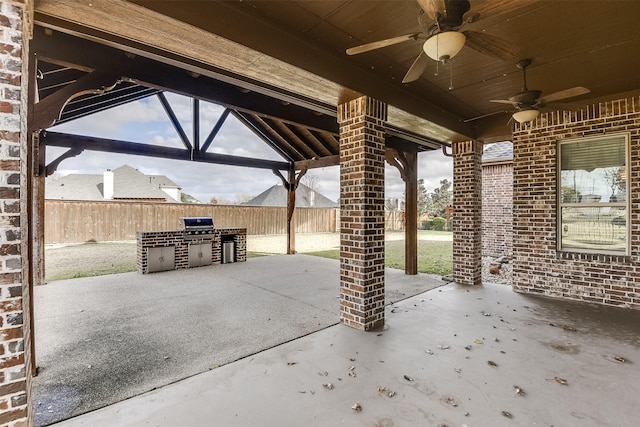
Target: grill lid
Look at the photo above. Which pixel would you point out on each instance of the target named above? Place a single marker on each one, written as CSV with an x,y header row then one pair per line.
x,y
198,222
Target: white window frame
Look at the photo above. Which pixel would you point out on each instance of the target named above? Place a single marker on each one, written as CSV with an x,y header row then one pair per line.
x,y
626,203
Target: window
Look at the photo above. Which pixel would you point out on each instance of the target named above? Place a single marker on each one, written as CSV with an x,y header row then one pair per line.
x,y
593,195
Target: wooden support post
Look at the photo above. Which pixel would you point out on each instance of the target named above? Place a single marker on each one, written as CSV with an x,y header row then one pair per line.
x,y
411,215
28,246
291,185
407,163
291,209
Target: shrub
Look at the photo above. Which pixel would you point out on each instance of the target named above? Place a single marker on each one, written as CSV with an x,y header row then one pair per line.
x,y
438,223
450,224
427,224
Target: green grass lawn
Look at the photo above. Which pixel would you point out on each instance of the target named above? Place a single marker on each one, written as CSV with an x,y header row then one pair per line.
x,y
434,256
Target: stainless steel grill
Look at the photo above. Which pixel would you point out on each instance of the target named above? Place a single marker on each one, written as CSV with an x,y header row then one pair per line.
x,y
198,227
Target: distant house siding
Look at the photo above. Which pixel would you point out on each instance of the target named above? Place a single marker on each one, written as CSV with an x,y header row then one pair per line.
x,y
497,209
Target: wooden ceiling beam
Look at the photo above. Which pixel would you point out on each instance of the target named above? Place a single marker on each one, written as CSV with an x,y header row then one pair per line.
x,y
321,162
67,50
258,126
80,142
286,133
231,21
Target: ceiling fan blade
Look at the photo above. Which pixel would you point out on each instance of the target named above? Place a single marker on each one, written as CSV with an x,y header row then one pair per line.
x,y
564,94
490,45
417,68
382,43
432,7
503,101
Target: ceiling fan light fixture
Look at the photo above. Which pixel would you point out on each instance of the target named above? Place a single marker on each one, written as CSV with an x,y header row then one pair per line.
x,y
524,116
444,46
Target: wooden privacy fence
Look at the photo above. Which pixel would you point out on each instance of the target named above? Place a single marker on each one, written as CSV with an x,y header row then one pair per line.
x,y
82,221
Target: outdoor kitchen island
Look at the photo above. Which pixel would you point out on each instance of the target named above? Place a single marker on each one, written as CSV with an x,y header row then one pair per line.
x,y
190,247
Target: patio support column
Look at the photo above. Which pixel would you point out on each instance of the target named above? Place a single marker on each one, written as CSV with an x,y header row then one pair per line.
x,y
15,293
467,203
362,153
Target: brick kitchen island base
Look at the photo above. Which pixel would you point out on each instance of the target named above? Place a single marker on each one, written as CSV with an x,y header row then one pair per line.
x,y
169,250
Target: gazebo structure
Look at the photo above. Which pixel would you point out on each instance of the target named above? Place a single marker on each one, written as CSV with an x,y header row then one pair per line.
x,y
352,84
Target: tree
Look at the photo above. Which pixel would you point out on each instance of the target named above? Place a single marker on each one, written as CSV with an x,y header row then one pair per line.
x,y
441,198
424,202
312,181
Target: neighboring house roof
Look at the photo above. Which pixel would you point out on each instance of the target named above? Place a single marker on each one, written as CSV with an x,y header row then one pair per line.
x,y
74,187
161,181
128,183
498,152
305,198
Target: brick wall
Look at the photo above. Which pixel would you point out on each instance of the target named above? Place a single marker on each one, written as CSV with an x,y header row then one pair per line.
x,y
362,144
497,207
467,202
538,267
14,293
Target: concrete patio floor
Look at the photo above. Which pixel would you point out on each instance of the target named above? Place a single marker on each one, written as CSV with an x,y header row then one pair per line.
x,y
452,356
104,339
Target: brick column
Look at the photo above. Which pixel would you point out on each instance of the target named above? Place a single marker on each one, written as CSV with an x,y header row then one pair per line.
x,y
15,384
467,222
362,142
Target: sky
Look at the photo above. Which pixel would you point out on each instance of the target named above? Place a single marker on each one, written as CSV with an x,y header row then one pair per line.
x,y
145,121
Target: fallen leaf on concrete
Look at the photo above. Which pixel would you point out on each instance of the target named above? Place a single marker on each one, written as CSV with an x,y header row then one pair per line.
x,y
620,359
519,391
457,370
323,374
467,347
443,347
428,351
357,407
478,341
291,363
408,378
391,393
507,414
569,328
328,386
492,363
382,389
561,381
450,401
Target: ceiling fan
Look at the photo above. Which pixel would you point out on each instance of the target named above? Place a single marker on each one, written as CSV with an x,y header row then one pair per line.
x,y
528,102
442,37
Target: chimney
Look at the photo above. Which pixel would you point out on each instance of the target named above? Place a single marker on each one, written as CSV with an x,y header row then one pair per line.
x,y
108,185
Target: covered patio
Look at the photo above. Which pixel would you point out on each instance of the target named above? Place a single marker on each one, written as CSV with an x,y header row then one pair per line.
x,y
450,356
109,338
288,69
